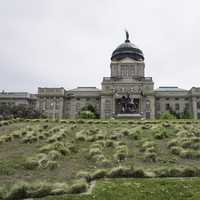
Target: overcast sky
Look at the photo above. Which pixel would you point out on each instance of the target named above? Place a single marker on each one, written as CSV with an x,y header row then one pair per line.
x,y
68,43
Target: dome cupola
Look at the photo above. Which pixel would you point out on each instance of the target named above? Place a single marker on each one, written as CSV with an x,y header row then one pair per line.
x,y
127,49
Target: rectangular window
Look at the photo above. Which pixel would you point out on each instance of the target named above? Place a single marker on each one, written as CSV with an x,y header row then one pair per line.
x,y
158,106
187,106
167,99
167,106
176,98
177,106
57,104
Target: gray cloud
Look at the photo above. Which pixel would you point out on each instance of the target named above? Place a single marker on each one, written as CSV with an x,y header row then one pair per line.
x,y
68,43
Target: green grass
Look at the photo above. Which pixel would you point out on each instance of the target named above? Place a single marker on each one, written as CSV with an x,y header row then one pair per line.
x,y
141,189
55,152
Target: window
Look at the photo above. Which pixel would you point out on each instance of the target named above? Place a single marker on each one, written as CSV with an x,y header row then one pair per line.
x,y
107,106
57,104
186,106
158,106
78,107
157,99
176,98
167,99
52,104
148,105
47,104
198,105
167,106
78,99
87,99
177,106
186,99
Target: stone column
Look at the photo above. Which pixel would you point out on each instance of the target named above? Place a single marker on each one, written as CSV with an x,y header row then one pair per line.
x,y
194,107
113,105
102,107
152,106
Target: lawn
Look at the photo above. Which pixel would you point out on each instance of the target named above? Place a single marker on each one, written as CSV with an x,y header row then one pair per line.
x,y
141,189
65,156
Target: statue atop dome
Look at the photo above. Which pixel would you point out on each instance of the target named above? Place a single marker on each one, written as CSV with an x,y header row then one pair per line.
x,y
127,36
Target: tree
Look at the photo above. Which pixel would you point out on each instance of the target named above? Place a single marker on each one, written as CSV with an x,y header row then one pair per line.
x,y
91,109
167,115
21,111
87,115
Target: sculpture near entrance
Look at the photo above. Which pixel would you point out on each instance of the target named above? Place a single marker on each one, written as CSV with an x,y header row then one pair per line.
x,y
128,105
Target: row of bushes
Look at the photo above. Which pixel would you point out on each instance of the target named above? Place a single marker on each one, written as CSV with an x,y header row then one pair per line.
x,y
24,190
131,172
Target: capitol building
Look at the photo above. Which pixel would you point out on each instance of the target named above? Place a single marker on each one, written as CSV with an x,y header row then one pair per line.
x,y
126,93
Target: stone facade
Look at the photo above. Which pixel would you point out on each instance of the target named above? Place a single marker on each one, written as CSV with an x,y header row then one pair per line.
x,y
126,93
17,98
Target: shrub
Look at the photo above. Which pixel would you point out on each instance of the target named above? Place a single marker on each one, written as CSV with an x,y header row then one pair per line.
x,y
176,150
169,172
105,163
100,136
7,138
173,142
109,143
119,172
18,191
167,115
116,135
43,163
54,155
39,189
84,175
189,154
52,165
139,173
16,135
186,144
94,151
96,145
30,164
128,172
125,132
98,157
150,157
100,173
147,144
120,155
134,135
175,172
87,115
189,172
146,126
59,188
78,187
80,136
150,150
